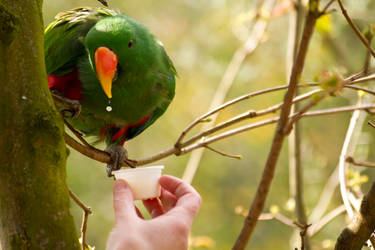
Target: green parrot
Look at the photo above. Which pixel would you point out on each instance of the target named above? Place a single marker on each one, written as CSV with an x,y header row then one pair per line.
x,y
116,69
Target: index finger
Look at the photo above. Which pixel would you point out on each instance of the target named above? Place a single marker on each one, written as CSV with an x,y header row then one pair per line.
x,y
187,197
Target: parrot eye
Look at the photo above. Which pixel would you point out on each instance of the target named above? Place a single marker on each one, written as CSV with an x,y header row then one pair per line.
x,y
130,44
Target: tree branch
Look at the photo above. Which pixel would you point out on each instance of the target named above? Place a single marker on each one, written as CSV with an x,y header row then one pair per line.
x,y
345,149
104,157
238,157
269,169
356,30
354,236
351,160
316,227
294,140
256,37
86,212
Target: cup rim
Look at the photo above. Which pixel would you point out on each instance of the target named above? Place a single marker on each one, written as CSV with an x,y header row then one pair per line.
x,y
138,169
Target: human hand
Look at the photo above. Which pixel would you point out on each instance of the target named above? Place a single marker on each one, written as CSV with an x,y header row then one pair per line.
x,y
172,216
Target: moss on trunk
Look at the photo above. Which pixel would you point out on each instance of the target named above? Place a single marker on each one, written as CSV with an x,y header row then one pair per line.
x,y
34,198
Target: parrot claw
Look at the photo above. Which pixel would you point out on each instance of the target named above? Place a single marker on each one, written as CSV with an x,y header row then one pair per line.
x,y
67,107
119,155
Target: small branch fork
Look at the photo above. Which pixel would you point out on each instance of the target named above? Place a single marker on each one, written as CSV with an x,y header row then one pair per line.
x,y
86,212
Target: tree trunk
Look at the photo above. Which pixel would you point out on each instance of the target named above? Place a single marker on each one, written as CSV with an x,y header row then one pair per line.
x,y
34,198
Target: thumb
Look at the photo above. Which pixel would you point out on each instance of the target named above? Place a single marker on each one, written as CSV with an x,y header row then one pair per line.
x,y
123,201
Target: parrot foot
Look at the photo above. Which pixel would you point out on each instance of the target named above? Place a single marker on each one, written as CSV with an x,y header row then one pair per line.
x,y
119,155
67,107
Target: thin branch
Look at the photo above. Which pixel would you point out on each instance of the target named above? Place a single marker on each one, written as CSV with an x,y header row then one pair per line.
x,y
356,30
333,180
86,212
350,81
235,131
324,11
343,154
238,157
90,152
225,105
277,216
351,160
316,227
256,37
104,157
360,88
77,134
299,114
288,222
247,115
363,79
294,140
325,197
368,55
269,169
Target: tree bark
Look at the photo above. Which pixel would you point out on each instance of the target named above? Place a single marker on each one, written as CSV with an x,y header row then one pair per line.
x,y
355,235
34,198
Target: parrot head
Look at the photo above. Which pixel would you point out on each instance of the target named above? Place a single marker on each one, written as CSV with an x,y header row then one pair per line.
x,y
117,45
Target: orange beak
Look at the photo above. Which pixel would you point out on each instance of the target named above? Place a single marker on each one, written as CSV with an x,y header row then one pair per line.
x,y
106,65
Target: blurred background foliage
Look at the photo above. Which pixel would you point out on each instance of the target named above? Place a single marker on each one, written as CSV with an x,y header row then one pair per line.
x,y
201,36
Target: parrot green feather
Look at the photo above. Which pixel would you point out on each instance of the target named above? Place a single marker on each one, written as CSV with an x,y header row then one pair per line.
x,y
145,77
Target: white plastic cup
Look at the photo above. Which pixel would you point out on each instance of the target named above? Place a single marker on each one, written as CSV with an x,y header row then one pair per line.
x,y
143,181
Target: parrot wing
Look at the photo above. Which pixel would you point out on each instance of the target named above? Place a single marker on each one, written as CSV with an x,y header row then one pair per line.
x,y
63,42
166,86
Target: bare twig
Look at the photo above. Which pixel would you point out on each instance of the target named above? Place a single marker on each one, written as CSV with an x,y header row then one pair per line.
x,y
77,134
356,30
104,157
316,227
294,140
367,65
344,152
299,114
360,88
324,11
86,212
238,157
248,115
279,217
90,152
225,105
255,38
350,81
363,79
333,180
351,160
269,169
